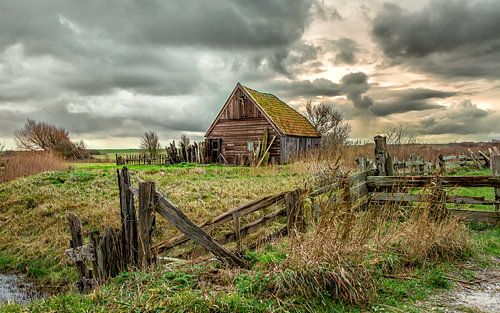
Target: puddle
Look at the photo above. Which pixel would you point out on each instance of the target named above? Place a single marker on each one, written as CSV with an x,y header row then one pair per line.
x,y
15,290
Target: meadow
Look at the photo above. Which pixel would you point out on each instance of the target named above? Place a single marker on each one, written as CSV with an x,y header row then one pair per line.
x,y
349,262
33,209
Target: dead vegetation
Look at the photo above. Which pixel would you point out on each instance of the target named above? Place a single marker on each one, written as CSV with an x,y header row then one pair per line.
x,y
348,246
19,164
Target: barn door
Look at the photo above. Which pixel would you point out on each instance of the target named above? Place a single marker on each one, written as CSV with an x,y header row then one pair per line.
x,y
215,146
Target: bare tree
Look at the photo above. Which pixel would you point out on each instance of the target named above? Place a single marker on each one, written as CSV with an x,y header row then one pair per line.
x,y
2,146
329,122
44,136
150,143
399,137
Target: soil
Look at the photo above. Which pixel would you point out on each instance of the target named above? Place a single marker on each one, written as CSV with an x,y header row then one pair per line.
x,y
482,295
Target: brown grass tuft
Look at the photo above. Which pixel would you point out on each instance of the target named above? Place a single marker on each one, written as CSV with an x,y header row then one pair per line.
x,y
20,164
339,256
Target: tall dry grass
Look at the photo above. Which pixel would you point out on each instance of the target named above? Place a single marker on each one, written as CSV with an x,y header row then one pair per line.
x,y
350,244
19,164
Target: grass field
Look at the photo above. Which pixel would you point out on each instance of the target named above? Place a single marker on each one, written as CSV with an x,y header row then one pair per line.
x,y
111,153
33,229
34,235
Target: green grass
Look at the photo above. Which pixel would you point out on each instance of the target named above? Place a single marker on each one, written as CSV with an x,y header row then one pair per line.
x,y
110,153
33,226
206,288
487,192
33,237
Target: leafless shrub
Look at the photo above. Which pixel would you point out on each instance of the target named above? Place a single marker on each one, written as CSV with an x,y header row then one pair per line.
x,y
150,142
401,140
36,136
329,122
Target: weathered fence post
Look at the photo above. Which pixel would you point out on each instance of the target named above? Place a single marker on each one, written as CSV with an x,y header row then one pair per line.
x,y
495,167
442,164
128,217
294,204
75,226
147,204
382,159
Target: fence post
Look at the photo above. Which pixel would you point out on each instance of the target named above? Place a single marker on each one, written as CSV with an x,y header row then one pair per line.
x,y
495,166
128,218
442,164
147,204
75,226
294,204
382,159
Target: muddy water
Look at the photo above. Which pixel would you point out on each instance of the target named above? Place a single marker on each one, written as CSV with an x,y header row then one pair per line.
x,y
14,290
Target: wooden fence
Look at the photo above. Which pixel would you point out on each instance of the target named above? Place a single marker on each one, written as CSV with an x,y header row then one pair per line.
x,y
417,165
132,247
192,153
387,188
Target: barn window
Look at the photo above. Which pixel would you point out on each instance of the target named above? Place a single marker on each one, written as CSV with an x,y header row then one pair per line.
x,y
250,145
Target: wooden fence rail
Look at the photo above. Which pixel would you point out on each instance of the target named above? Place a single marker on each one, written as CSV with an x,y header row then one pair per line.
x,y
422,181
387,188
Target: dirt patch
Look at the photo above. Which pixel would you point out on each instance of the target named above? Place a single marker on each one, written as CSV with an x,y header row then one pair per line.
x,y
480,295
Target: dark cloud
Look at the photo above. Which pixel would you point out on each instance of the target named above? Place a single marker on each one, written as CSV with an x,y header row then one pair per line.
x,y
228,24
300,58
326,12
463,118
390,101
354,85
346,50
306,88
448,38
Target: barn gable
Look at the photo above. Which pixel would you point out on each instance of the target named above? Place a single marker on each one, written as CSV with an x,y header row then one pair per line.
x,y
284,119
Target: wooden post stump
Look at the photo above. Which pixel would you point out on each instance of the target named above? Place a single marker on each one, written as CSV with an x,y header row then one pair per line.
x,y
382,159
147,204
128,218
85,281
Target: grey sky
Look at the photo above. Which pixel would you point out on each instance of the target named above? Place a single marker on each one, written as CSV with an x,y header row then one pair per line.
x,y
108,71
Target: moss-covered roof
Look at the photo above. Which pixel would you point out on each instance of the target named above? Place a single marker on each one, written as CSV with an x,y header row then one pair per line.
x,y
289,121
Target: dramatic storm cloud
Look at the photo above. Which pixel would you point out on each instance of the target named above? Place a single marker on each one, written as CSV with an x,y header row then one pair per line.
x,y
449,38
108,71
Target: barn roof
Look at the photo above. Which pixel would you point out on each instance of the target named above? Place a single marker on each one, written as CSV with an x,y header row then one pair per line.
x,y
284,117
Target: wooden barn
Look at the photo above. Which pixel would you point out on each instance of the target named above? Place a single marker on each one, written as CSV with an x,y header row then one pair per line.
x,y
241,123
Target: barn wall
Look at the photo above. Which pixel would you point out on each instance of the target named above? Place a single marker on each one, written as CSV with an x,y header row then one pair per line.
x,y
240,123
293,147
